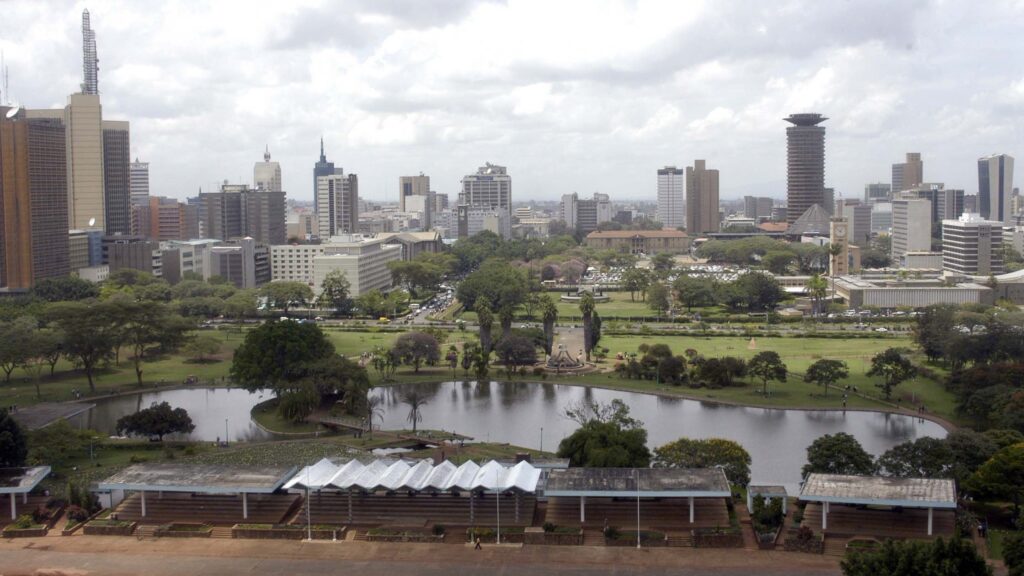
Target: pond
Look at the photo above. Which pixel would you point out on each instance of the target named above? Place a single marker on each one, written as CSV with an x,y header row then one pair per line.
x,y
516,413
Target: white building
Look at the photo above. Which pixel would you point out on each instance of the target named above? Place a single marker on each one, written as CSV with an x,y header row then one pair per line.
x,y
294,262
139,182
364,262
490,188
266,175
881,217
671,200
337,204
473,220
972,246
414,195
911,227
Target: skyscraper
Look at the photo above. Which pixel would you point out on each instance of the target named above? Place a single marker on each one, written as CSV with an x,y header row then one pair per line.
x,y
877,192
671,201
701,199
906,175
490,188
116,178
414,195
972,246
995,184
805,164
321,168
139,182
83,123
337,204
90,61
238,211
911,227
266,175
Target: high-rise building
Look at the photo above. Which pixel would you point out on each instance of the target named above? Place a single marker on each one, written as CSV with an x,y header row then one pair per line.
x,y
972,246
90,60
877,192
671,200
584,215
337,204
237,211
416,186
908,174
33,200
858,220
163,219
828,200
83,122
805,164
263,216
995,184
911,227
266,175
139,182
117,186
568,209
701,199
757,207
881,218
322,168
490,188
970,204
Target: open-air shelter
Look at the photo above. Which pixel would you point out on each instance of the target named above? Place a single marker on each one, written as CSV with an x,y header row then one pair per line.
x,y
768,492
879,491
14,481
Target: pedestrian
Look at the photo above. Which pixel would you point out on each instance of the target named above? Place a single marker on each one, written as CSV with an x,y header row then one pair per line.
x,y
477,547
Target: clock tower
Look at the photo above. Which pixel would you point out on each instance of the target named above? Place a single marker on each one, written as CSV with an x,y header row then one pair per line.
x,y
839,262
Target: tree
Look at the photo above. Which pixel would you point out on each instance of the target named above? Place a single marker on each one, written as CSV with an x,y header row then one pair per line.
x,y
720,372
44,347
282,294
296,405
415,401
515,351
90,333
778,261
13,443
415,274
1001,477
157,420
636,280
415,348
485,318
767,366
1013,552
57,444
691,291
730,456
759,291
16,343
549,315
893,367
934,329
202,345
817,289
65,289
500,283
838,453
954,557
373,407
657,298
372,304
148,325
921,458
276,354
826,372
506,314
607,438
241,304
834,251
335,292
663,262
587,306
452,357
470,352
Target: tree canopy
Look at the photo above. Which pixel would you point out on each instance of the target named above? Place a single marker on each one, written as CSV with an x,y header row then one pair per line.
x,y
416,348
767,366
283,294
607,438
497,282
276,354
730,456
13,442
826,372
956,557
157,420
838,453
893,367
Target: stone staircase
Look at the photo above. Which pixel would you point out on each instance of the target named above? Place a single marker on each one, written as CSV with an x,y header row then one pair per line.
x,y
358,535
223,532
835,547
680,540
146,531
593,538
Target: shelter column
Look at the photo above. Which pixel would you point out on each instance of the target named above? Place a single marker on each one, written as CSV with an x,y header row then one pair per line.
x,y
929,521
143,503
14,507
824,516
245,506
691,509
350,506
24,497
471,507
750,501
517,506
583,509
783,505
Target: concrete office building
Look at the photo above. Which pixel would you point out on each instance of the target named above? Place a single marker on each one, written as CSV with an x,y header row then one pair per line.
x,y
858,217
911,227
671,199
908,174
83,120
139,182
805,164
364,261
416,186
758,207
414,243
245,263
877,192
179,257
238,211
135,252
337,206
972,246
647,242
162,219
322,168
995,185
266,175
881,218
946,204
33,200
117,177
701,199
584,215
490,188
473,220
294,262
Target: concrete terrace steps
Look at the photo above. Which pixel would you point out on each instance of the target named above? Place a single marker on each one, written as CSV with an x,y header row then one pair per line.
x,y
667,514
223,532
848,521
445,509
215,510
146,531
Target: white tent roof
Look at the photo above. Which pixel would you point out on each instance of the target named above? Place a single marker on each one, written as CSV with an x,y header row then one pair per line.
x,y
423,475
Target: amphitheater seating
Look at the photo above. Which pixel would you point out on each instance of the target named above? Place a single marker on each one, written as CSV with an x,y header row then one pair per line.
x,y
420,510
669,514
910,523
215,509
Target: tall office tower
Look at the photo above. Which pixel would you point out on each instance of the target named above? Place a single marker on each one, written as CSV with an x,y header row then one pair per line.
x,y
911,227
83,123
337,204
90,61
414,195
908,174
971,204
858,220
139,182
757,207
877,192
701,199
604,207
568,210
805,164
322,168
164,219
995,183
220,213
116,178
828,199
586,215
491,188
33,200
972,246
671,200
238,211
440,202
266,175
263,216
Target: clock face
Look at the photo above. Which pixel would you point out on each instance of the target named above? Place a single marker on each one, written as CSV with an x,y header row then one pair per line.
x,y
840,231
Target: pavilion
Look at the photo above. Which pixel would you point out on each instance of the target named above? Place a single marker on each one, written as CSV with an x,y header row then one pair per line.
x,y
874,505
14,481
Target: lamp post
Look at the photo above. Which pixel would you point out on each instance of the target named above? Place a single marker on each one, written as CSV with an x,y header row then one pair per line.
x,y
637,471
309,519
497,506
226,440
541,438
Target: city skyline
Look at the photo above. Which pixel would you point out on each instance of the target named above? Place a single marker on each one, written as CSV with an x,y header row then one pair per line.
x,y
388,91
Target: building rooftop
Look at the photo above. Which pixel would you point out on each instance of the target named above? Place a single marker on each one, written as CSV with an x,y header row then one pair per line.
x,y
418,476
46,413
663,482
773,226
814,221
635,233
199,478
880,490
21,480
805,119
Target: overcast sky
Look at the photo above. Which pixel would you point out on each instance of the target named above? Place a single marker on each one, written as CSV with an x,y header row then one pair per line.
x,y
571,96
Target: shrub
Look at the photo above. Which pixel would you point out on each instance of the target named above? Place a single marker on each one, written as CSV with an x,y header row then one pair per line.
x,y
549,527
438,530
612,533
23,522
804,534
136,459
77,513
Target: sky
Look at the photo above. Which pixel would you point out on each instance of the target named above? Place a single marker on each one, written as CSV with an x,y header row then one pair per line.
x,y
572,96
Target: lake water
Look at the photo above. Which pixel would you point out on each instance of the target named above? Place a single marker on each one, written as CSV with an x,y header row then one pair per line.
x,y
516,413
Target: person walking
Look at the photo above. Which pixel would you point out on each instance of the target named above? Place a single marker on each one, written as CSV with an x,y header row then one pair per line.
x,y
477,547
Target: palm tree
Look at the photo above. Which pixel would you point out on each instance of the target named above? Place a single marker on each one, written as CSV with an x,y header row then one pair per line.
x,y
587,306
834,250
453,358
415,401
549,313
506,314
817,288
374,409
485,318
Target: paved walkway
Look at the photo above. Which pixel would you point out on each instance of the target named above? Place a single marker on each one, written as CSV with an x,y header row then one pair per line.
x,y
114,556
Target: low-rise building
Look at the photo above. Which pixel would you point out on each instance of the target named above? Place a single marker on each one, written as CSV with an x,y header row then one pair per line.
x,y
892,293
640,241
364,261
413,243
244,263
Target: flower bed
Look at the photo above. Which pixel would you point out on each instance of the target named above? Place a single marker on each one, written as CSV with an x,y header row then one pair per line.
x,y
509,535
287,531
804,540
184,530
108,527
34,531
648,538
559,536
717,538
391,535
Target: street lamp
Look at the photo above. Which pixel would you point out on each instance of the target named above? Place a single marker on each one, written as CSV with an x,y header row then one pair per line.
x,y
637,471
497,505
226,432
541,438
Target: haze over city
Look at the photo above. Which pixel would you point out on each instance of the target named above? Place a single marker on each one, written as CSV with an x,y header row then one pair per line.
x,y
582,97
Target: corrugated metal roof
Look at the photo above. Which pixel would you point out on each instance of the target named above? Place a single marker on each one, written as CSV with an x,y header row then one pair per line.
x,y
880,490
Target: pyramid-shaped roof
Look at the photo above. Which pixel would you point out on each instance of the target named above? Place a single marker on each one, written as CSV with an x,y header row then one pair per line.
x,y
813,222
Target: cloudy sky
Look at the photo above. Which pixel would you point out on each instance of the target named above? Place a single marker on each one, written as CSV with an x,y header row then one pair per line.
x,y
571,96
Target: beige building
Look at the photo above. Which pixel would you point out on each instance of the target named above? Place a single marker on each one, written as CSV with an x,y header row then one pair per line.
x,y
294,262
839,265
972,246
266,175
640,241
908,174
911,227
363,261
413,243
83,121
337,206
701,199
